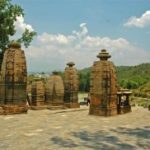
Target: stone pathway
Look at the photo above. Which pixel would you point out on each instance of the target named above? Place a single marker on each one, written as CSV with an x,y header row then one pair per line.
x,y
75,130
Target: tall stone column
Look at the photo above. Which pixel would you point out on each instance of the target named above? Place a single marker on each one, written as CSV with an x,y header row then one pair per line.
x,y
103,87
71,85
13,80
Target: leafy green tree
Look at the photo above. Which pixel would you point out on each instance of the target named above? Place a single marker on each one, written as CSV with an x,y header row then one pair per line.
x,y
8,15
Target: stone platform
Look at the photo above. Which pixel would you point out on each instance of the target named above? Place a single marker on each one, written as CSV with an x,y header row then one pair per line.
x,y
74,129
13,109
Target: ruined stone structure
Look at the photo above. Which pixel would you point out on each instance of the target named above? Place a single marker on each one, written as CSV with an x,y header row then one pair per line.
x,y
71,85
38,93
103,87
13,81
123,104
54,90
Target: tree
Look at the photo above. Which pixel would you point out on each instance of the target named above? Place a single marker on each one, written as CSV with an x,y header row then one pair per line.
x,y
8,15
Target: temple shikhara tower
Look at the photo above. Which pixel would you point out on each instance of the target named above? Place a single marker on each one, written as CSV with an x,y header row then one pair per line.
x,y
103,87
54,91
71,85
13,80
38,93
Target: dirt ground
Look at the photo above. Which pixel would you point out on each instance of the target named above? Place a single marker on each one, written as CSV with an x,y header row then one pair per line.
x,y
76,130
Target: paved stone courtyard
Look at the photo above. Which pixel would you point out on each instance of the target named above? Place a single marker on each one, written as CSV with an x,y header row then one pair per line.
x,y
76,130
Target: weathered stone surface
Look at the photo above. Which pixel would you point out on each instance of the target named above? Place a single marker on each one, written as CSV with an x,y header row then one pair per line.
x,y
13,109
13,78
71,85
38,93
54,90
103,87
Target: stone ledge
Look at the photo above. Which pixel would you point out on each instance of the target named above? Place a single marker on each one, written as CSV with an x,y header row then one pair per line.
x,y
13,109
72,105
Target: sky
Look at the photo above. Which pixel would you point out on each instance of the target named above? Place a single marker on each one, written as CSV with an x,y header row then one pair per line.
x,y
76,30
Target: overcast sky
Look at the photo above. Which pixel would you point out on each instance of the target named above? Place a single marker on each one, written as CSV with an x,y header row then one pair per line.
x,y
76,30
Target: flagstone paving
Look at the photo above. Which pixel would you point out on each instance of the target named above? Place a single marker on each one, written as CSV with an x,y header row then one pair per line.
x,y
76,130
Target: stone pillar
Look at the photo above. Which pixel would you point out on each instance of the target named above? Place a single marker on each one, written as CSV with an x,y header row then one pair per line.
x,y
71,85
103,87
13,80
54,91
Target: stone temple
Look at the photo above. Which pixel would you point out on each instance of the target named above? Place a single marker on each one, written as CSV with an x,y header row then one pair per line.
x,y
38,93
54,90
103,87
71,85
13,81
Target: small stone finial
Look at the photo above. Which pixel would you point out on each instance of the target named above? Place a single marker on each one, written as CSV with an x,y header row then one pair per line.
x,y
14,44
103,55
71,64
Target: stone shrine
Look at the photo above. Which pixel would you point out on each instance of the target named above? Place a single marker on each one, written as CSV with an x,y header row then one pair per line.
x,y
103,87
38,93
71,85
54,90
13,81
123,104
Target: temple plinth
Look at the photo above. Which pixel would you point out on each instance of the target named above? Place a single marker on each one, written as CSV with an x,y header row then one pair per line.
x,y
103,87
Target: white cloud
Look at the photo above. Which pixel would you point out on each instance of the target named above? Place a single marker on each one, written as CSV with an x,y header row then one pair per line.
x,y
82,33
53,51
21,25
141,22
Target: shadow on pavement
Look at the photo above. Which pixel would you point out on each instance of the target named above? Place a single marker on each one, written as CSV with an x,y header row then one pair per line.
x,y
108,140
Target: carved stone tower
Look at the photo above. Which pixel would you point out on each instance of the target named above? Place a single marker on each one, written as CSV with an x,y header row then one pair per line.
x,y
103,87
38,92
13,80
54,91
71,85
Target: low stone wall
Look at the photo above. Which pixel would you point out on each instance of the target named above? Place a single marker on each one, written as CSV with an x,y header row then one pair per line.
x,y
72,105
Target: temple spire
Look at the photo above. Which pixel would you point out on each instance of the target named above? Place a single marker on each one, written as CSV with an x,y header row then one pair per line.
x,y
103,55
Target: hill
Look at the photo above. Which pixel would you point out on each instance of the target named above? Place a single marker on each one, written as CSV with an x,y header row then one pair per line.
x,y
131,77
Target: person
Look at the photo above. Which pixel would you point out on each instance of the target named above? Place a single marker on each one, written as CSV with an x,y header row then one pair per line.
x,y
88,101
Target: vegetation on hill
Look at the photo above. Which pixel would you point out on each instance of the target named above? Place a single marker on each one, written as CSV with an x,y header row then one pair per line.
x,y
134,76
143,91
84,80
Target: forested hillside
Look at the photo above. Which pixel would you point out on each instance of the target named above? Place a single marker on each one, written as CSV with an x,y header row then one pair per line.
x,y
131,77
